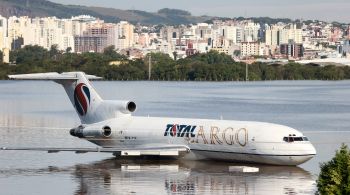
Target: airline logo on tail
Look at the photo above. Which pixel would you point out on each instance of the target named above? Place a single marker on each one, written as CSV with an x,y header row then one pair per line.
x,y
82,98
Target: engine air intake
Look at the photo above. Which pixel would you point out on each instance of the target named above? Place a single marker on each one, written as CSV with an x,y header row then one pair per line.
x,y
107,131
131,106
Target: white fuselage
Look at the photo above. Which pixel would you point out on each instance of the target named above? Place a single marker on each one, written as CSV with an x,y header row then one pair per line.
x,y
238,141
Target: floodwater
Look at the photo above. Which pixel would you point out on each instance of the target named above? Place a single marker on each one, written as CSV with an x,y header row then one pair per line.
x,y
39,114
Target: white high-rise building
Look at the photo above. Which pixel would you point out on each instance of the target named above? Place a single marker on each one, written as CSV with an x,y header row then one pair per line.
x,y
3,33
346,48
125,35
290,32
217,37
17,28
272,35
251,32
79,24
50,31
240,34
170,34
45,32
230,33
6,55
203,31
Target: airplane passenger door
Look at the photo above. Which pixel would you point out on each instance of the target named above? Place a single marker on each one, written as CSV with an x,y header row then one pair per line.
x,y
242,137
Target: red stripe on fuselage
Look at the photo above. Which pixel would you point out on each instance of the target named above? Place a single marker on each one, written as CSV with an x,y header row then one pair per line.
x,y
81,97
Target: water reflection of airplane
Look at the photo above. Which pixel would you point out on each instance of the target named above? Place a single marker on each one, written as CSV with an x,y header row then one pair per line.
x,y
188,177
109,124
113,176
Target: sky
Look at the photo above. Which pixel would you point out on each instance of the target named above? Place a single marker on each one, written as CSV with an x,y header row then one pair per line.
x,y
326,10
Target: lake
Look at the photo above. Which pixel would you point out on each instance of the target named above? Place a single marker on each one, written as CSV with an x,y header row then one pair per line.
x,y
39,114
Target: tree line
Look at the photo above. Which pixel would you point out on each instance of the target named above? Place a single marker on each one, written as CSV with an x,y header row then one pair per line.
x,y
211,66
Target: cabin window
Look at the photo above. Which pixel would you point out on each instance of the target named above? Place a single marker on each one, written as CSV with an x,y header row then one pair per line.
x,y
293,138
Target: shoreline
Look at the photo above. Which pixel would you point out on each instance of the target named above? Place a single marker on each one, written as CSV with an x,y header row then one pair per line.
x,y
207,81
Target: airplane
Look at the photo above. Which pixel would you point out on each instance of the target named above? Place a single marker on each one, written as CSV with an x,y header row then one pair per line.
x,y
111,126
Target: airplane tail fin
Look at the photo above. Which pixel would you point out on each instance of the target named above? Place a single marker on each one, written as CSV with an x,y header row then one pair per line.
x,y
82,95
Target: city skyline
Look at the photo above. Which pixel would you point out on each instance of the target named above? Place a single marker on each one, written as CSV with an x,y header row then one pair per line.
x,y
239,39
325,10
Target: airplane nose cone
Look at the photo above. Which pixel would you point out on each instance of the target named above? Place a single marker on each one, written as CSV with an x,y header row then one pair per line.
x,y
310,149
309,153
306,153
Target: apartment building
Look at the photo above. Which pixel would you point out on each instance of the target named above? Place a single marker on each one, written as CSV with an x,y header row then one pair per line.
x,y
3,33
292,50
96,38
250,49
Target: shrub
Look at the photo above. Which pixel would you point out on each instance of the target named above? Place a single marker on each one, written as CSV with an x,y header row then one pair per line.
x,y
335,174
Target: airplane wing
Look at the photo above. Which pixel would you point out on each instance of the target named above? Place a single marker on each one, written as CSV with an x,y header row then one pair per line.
x,y
174,150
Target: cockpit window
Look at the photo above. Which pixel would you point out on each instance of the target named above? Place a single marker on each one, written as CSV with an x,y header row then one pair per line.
x,y
298,139
293,138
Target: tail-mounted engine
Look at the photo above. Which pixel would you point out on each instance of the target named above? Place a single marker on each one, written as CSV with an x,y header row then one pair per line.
x,y
91,132
112,107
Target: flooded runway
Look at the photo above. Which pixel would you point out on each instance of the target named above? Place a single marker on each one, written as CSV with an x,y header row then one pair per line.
x,y
38,114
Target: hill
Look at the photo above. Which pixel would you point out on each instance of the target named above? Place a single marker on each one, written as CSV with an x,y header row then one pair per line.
x,y
44,8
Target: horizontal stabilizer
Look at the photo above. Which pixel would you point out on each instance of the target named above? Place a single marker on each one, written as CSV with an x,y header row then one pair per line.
x,y
53,150
52,76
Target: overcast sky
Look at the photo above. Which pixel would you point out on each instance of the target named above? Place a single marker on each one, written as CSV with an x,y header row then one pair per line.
x,y
328,10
